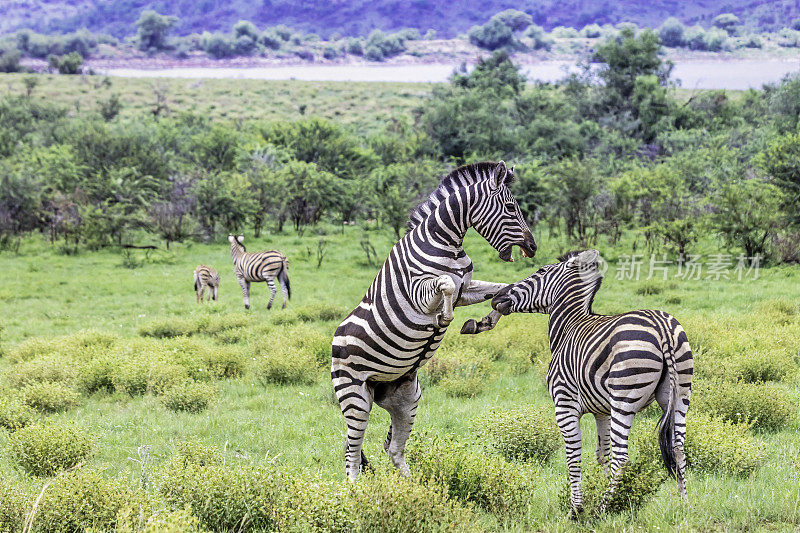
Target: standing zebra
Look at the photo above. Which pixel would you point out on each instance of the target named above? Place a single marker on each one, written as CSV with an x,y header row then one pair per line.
x,y
610,366
260,266
205,277
402,319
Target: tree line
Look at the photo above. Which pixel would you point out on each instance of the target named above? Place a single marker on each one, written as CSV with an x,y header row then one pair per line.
x,y
612,149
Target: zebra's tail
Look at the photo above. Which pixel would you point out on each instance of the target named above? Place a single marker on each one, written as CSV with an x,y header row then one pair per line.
x,y
666,426
196,281
283,277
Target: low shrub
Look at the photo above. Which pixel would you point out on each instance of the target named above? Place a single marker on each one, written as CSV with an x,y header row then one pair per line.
x,y
779,310
717,446
191,396
165,376
49,397
520,433
223,363
640,480
86,500
167,328
131,375
321,312
321,506
172,521
760,366
12,506
45,449
759,405
40,370
96,374
14,414
285,365
488,481
224,497
31,349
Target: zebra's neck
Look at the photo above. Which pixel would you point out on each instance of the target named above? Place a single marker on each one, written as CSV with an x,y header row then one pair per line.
x,y
571,307
236,252
449,222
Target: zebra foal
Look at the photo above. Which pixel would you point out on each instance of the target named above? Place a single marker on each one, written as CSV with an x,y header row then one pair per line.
x,y
400,322
260,266
205,278
610,366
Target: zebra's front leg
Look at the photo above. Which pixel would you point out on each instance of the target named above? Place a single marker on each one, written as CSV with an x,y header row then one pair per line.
x,y
620,428
245,292
487,323
401,399
445,285
272,292
568,419
355,400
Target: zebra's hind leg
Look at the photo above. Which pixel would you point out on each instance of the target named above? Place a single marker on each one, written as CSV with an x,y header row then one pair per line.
x,y
620,428
568,419
400,398
245,292
680,436
272,292
355,400
603,440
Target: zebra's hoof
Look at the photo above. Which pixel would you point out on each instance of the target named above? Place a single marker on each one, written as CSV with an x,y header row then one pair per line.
x,y
470,327
441,321
247,306
575,512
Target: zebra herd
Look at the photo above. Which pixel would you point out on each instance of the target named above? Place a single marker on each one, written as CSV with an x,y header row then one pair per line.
x,y
248,267
610,366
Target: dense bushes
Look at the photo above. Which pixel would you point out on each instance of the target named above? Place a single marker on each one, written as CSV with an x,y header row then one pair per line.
x,y
284,365
14,414
49,397
191,396
46,449
521,433
761,405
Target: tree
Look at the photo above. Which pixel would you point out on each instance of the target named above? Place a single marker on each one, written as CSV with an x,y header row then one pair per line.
x,y
307,192
493,35
9,59
748,214
780,160
153,30
671,32
515,20
572,187
223,202
397,188
726,21
171,217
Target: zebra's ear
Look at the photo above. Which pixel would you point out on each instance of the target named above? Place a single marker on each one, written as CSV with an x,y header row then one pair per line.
x,y
231,238
500,173
240,238
588,258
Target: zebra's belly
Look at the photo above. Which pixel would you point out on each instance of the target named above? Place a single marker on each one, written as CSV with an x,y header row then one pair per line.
x,y
379,351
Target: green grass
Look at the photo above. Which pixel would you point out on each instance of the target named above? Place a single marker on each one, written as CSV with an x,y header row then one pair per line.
x,y
46,294
361,104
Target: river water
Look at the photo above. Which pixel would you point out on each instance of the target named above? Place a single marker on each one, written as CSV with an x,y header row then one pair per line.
x,y
700,74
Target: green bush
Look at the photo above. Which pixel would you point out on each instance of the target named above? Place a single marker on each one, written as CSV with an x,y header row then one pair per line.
x,y
284,365
171,521
191,396
86,500
225,497
165,376
165,328
12,506
761,366
45,449
131,376
97,374
321,312
41,370
760,405
32,348
49,397
521,433
14,414
223,363
715,446
488,481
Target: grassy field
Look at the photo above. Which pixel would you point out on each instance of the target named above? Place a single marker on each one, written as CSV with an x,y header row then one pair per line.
x,y
298,427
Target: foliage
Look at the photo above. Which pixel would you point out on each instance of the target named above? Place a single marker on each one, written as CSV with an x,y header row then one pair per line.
x,y
12,506
67,64
500,31
14,414
521,433
759,405
49,397
190,396
283,365
153,30
717,446
44,449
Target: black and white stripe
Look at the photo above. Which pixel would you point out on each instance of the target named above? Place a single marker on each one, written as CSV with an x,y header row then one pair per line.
x,y
610,366
403,317
205,278
259,266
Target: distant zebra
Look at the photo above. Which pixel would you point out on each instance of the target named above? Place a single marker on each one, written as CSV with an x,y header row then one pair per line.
x,y
403,317
260,266
205,277
610,366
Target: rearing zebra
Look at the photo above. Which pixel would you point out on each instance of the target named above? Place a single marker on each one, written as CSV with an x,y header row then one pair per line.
x,y
260,266
610,366
402,319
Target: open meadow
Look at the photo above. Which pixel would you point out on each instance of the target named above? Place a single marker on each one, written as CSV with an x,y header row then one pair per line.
x,y
112,342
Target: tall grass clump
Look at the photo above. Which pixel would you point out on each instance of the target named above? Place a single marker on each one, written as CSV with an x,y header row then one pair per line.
x,y
167,328
39,370
44,449
488,481
190,396
12,506
284,365
520,433
763,406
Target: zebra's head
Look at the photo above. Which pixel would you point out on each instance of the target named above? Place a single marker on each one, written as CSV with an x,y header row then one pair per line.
x,y
572,281
237,241
496,216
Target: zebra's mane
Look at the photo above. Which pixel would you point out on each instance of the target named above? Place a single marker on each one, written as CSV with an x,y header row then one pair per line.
x,y
596,287
463,176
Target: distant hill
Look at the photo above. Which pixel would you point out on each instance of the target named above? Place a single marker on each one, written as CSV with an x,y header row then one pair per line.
x,y
359,17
